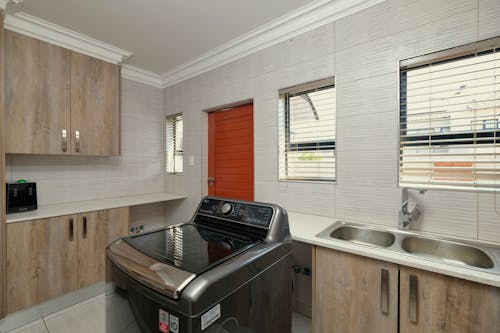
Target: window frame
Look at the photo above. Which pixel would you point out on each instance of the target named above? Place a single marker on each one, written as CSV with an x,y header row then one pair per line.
x,y
462,52
284,96
174,119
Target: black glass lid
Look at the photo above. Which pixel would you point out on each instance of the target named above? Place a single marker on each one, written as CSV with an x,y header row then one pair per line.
x,y
190,247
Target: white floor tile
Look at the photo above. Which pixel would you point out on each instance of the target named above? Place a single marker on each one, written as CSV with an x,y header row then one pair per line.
x,y
300,323
88,316
35,327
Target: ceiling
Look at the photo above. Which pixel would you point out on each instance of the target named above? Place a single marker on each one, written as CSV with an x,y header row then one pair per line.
x,y
162,34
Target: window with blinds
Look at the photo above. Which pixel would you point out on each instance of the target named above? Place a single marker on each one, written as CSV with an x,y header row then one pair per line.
x,y
449,118
307,132
174,151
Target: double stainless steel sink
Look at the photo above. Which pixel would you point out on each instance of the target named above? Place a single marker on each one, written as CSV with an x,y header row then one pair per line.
x,y
468,254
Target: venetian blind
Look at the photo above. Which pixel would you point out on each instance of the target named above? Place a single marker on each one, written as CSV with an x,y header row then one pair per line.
x,y
449,118
174,141
307,132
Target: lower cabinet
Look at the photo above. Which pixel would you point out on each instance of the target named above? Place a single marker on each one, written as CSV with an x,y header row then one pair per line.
x,y
353,293
49,257
357,294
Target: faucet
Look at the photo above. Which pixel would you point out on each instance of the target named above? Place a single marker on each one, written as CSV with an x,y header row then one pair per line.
x,y
406,216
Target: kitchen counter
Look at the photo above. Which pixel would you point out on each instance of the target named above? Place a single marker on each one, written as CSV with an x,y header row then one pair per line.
x,y
304,228
92,205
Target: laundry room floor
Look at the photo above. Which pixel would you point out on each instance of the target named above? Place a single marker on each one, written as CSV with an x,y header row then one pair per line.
x,y
88,316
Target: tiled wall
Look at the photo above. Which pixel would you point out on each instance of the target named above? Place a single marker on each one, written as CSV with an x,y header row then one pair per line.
x,y
138,170
362,51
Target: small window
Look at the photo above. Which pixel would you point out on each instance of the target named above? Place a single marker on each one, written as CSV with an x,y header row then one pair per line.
x,y
174,150
449,116
307,132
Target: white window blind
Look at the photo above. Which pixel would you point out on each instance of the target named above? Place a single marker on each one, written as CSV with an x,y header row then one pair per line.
x,y
174,140
449,118
307,132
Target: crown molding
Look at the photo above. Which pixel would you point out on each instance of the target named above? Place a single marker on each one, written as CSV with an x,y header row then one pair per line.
x,y
304,19
37,28
137,74
5,3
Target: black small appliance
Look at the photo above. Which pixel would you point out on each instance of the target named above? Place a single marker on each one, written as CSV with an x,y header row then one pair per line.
x,y
21,197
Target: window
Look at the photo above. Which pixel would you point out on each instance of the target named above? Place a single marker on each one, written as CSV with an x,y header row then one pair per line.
x,y
174,138
307,132
449,115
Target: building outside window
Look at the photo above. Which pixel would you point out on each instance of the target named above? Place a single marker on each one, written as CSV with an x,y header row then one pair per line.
x,y
307,132
449,115
174,144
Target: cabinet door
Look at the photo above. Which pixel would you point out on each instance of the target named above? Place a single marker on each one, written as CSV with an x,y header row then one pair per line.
x,y
431,302
95,231
41,260
37,96
95,106
353,293
118,223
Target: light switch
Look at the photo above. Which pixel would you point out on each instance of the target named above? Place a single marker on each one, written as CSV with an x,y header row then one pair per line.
x,y
191,160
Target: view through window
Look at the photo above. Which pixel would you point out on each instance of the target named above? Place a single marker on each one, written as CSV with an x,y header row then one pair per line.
x,y
449,119
174,142
307,132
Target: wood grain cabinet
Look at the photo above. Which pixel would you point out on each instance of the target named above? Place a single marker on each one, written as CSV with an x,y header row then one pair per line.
x,y
357,294
59,101
50,257
353,293
431,302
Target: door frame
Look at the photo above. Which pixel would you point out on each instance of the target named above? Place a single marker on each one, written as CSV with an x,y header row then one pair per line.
x,y
205,134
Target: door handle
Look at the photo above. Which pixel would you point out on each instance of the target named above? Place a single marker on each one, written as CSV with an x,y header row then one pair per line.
x,y
413,299
70,230
64,137
211,181
384,291
77,141
85,227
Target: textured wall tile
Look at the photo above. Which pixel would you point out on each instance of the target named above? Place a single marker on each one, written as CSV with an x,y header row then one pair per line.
x,y
489,217
489,13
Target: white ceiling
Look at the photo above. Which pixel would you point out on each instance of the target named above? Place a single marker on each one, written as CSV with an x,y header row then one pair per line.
x,y
162,34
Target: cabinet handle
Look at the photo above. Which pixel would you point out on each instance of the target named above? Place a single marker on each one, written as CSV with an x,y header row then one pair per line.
x,y
413,299
384,291
64,136
70,230
84,227
77,141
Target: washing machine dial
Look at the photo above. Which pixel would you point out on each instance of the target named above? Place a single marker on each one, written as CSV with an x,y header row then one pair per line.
x,y
226,208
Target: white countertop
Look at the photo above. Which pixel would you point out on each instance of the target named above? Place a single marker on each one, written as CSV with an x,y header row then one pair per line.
x,y
91,205
304,228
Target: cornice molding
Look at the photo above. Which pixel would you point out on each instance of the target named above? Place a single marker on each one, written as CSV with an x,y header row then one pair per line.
x,y
137,74
304,19
49,32
5,3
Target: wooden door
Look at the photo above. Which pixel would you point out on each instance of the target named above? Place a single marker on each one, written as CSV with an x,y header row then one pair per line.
x,y
37,96
95,106
230,153
41,260
446,304
95,231
353,293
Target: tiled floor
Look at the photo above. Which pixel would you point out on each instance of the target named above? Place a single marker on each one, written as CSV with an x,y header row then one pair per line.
x,y
88,317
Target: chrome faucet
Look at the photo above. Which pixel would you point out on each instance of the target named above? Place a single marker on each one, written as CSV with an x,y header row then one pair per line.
x,y
406,216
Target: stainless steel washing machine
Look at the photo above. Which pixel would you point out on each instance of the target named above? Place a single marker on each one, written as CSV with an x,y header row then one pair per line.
x,y
227,270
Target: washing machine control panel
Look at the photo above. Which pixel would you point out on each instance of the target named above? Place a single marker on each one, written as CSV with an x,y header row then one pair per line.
x,y
241,212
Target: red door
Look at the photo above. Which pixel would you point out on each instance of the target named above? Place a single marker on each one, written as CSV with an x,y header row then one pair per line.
x,y
230,153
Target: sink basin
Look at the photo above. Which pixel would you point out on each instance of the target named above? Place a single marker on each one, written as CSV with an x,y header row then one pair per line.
x,y
364,236
451,252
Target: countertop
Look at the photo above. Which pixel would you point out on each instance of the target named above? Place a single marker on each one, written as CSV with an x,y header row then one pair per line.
x,y
92,205
304,228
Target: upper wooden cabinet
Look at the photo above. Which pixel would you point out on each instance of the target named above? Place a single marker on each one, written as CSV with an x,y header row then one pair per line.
x,y
58,101
95,106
